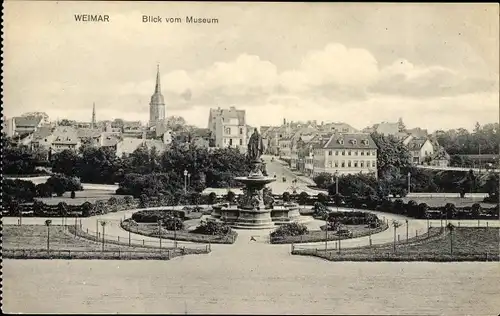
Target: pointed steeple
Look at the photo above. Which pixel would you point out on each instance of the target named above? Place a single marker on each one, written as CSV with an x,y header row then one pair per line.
x,y
158,85
92,124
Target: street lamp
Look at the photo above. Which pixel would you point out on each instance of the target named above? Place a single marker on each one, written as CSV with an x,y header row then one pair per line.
x,y
47,223
337,183
409,182
185,180
103,224
189,180
395,224
159,231
406,230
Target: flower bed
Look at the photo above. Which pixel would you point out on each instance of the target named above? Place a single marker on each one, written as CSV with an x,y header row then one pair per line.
x,y
151,230
317,235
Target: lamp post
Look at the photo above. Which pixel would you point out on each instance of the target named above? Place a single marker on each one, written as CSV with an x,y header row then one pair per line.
x,y
159,231
395,224
406,230
326,233
47,223
428,224
409,182
185,181
337,183
76,223
175,232
103,224
189,180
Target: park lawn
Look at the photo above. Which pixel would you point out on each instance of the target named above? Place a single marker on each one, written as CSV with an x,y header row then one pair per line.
x,y
469,244
35,237
441,201
30,242
80,197
320,235
151,230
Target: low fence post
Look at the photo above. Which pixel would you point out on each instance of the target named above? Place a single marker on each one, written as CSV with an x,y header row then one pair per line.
x,y
416,232
143,242
118,238
487,224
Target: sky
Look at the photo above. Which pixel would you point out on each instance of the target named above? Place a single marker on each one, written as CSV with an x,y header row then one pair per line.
x,y
434,65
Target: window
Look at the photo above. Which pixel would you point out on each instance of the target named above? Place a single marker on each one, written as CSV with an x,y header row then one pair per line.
x,y
336,164
354,142
349,153
329,164
343,152
362,164
228,130
355,153
230,141
341,141
348,163
241,141
368,153
374,152
373,164
241,130
330,153
336,153
355,164
362,153
343,164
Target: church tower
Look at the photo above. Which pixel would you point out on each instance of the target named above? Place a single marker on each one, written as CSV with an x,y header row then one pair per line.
x,y
92,124
157,104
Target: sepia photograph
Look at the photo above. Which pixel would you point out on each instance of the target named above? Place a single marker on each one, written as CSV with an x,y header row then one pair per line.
x,y
163,157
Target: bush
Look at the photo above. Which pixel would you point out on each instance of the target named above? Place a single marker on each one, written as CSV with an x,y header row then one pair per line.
x,y
43,190
213,228
73,194
212,198
323,180
23,191
352,218
322,198
230,196
172,223
303,198
476,210
286,197
153,216
290,229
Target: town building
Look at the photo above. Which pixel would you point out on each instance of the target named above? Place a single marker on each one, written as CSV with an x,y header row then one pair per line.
x,y
62,138
229,128
345,153
128,145
157,103
421,149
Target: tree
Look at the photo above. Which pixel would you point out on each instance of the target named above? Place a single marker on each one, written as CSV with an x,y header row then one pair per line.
x,y
98,165
61,183
66,162
17,160
401,125
323,180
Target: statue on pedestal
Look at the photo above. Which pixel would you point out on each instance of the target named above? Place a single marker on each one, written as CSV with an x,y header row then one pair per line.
x,y
255,146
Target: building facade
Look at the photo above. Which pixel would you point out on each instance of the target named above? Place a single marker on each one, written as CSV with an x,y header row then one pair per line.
x,y
344,153
229,128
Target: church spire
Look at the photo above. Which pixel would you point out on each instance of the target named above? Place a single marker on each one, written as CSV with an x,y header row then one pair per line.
x,y
158,86
92,124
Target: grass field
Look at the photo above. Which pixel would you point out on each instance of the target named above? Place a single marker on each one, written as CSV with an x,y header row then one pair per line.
x,y
441,201
469,244
80,197
30,242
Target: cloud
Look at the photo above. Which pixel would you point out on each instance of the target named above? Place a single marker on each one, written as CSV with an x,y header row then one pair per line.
x,y
406,79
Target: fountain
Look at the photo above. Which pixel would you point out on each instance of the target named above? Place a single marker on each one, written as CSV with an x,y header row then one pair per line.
x,y
256,209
